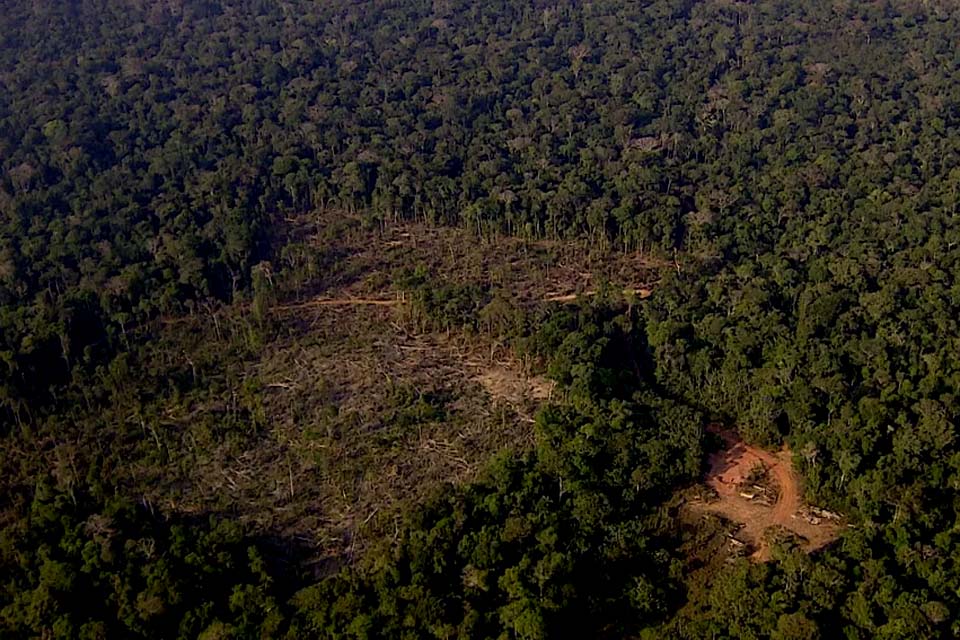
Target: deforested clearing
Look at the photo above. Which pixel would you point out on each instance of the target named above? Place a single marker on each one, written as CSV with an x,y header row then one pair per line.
x,y
760,493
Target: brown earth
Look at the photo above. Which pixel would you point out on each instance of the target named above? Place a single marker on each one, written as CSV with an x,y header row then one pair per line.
x,y
359,417
362,409
505,382
731,467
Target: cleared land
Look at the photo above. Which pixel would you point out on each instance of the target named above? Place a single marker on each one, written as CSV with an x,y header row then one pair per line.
x,y
760,491
360,265
320,413
357,405
372,415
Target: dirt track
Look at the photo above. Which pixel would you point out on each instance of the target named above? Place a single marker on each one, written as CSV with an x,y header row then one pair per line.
x,y
730,466
642,293
340,302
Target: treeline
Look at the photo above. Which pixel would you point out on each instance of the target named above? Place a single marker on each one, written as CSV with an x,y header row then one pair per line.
x,y
150,153
87,565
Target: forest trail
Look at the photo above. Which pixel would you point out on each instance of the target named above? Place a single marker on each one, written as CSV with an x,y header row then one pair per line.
x,y
340,302
641,293
730,473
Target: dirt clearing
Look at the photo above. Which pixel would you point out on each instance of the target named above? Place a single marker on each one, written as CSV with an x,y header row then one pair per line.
x,y
358,403
760,491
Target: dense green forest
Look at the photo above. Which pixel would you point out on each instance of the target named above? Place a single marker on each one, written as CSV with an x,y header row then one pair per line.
x,y
794,164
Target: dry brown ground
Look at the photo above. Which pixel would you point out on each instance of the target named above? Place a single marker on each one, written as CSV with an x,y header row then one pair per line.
x,y
366,411
360,418
364,261
351,410
730,467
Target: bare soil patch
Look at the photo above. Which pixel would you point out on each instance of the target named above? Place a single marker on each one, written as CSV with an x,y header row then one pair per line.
x,y
506,382
760,492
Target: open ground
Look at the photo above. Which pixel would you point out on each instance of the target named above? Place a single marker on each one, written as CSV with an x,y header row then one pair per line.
x,y
363,408
760,492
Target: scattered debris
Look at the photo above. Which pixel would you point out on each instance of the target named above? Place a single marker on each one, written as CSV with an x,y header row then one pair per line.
x,y
760,491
